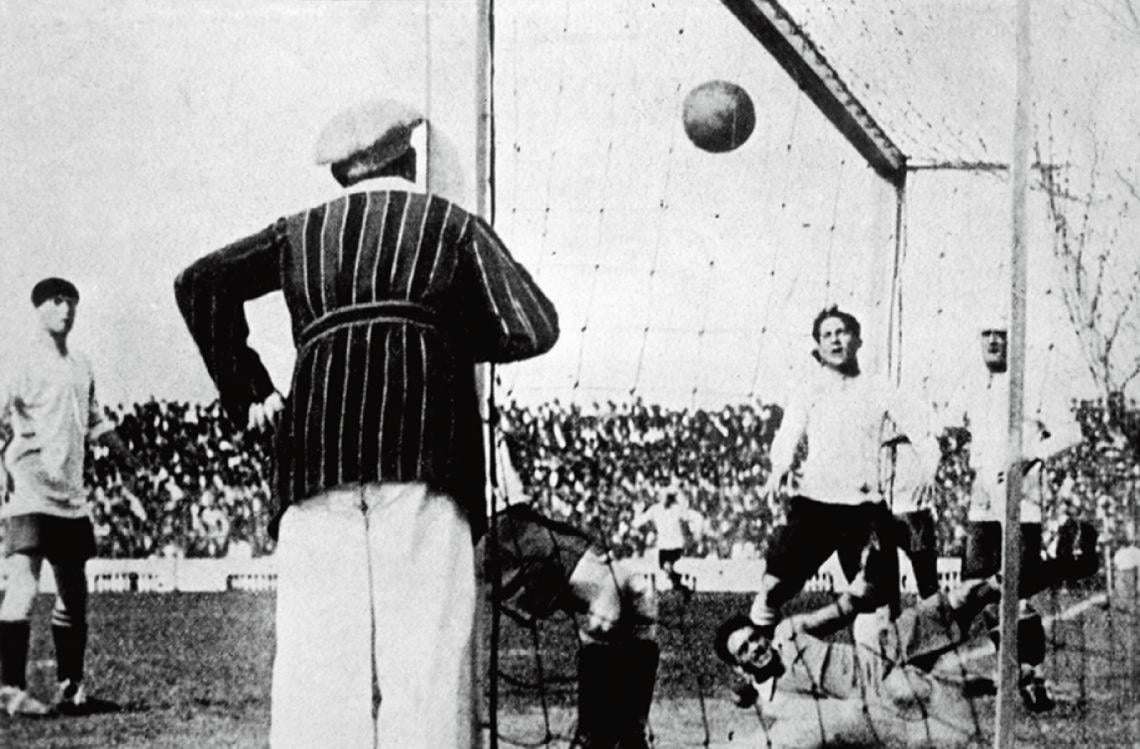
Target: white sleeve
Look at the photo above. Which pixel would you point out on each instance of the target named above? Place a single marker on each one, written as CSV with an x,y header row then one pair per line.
x,y
792,428
921,425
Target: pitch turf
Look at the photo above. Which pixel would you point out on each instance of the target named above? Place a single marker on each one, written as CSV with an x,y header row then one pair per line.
x,y
193,670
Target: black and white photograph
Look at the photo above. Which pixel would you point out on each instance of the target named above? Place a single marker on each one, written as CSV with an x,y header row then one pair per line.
x,y
570,374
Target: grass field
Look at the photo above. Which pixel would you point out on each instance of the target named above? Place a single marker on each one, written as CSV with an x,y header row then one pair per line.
x,y
193,670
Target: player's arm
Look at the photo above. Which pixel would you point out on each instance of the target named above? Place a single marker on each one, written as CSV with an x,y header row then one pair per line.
x,y
211,294
644,515
511,318
788,436
920,425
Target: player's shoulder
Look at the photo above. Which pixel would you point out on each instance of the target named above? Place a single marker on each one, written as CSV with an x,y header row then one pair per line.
x,y
81,359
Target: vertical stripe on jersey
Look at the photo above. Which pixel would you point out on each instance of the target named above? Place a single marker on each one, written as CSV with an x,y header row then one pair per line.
x,y
350,239
302,430
366,455
390,386
372,232
311,258
410,244
421,363
355,372
445,229
334,406
389,245
331,251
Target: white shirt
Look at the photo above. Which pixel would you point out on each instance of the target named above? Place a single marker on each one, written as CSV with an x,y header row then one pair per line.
x,y
988,416
667,523
49,401
845,420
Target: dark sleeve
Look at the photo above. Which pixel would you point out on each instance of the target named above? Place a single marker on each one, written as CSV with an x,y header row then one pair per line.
x,y
512,319
211,295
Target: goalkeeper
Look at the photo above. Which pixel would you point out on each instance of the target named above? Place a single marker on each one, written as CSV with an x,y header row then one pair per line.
x,y
898,683
543,566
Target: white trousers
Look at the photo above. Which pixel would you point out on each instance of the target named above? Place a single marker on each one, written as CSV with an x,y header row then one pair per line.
x,y
375,611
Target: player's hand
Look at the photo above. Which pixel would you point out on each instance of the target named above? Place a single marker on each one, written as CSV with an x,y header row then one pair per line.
x,y
744,694
925,493
774,486
263,416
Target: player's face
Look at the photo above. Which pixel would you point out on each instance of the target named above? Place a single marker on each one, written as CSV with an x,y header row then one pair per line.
x,y
751,649
995,349
837,344
57,314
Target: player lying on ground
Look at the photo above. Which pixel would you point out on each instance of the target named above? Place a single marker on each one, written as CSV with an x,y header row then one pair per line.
x,y
900,682
543,566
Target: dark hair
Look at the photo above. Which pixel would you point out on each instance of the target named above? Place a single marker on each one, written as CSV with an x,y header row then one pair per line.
x,y
49,288
726,629
850,322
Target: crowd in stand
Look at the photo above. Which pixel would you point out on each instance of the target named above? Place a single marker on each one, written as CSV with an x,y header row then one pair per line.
x,y
205,491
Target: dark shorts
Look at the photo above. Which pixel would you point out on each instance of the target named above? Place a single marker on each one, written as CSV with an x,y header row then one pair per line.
x,y
915,531
54,538
983,553
916,536
814,530
667,556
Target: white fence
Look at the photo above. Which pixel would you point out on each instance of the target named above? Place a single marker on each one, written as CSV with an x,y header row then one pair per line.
x,y
213,575
743,575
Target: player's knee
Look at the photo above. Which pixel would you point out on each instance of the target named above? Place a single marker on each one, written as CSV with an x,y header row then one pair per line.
x,y
20,591
778,590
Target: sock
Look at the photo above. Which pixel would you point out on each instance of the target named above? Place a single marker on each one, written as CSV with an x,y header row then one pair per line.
x,y
15,637
70,646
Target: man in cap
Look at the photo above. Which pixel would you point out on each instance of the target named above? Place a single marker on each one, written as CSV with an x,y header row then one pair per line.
x,y
837,506
49,411
538,566
987,414
394,296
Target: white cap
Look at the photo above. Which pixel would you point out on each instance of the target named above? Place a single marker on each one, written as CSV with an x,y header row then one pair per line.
x,y
382,127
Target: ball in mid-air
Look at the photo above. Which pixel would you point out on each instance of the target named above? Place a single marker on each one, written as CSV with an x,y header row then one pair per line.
x,y
718,116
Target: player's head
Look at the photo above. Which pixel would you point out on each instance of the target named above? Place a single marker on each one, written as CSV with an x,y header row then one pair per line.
x,y
370,140
55,300
740,643
838,336
995,348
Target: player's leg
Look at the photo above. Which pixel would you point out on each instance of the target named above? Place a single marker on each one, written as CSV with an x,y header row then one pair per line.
x,y
796,550
322,692
983,559
73,545
1076,556
667,561
918,540
24,562
617,663
867,545
423,589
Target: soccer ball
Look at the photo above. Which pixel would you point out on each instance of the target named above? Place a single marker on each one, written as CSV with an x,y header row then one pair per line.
x,y
718,116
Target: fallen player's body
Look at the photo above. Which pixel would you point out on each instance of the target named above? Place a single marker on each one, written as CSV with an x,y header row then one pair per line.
x,y
900,682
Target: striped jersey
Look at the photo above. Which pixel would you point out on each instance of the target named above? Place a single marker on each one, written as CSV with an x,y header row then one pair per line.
x,y
393,297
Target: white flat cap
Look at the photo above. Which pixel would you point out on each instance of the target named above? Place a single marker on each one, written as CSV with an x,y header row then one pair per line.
x,y
382,127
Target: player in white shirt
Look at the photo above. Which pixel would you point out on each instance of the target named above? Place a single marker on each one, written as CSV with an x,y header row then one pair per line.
x,y
987,412
837,503
49,409
670,517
